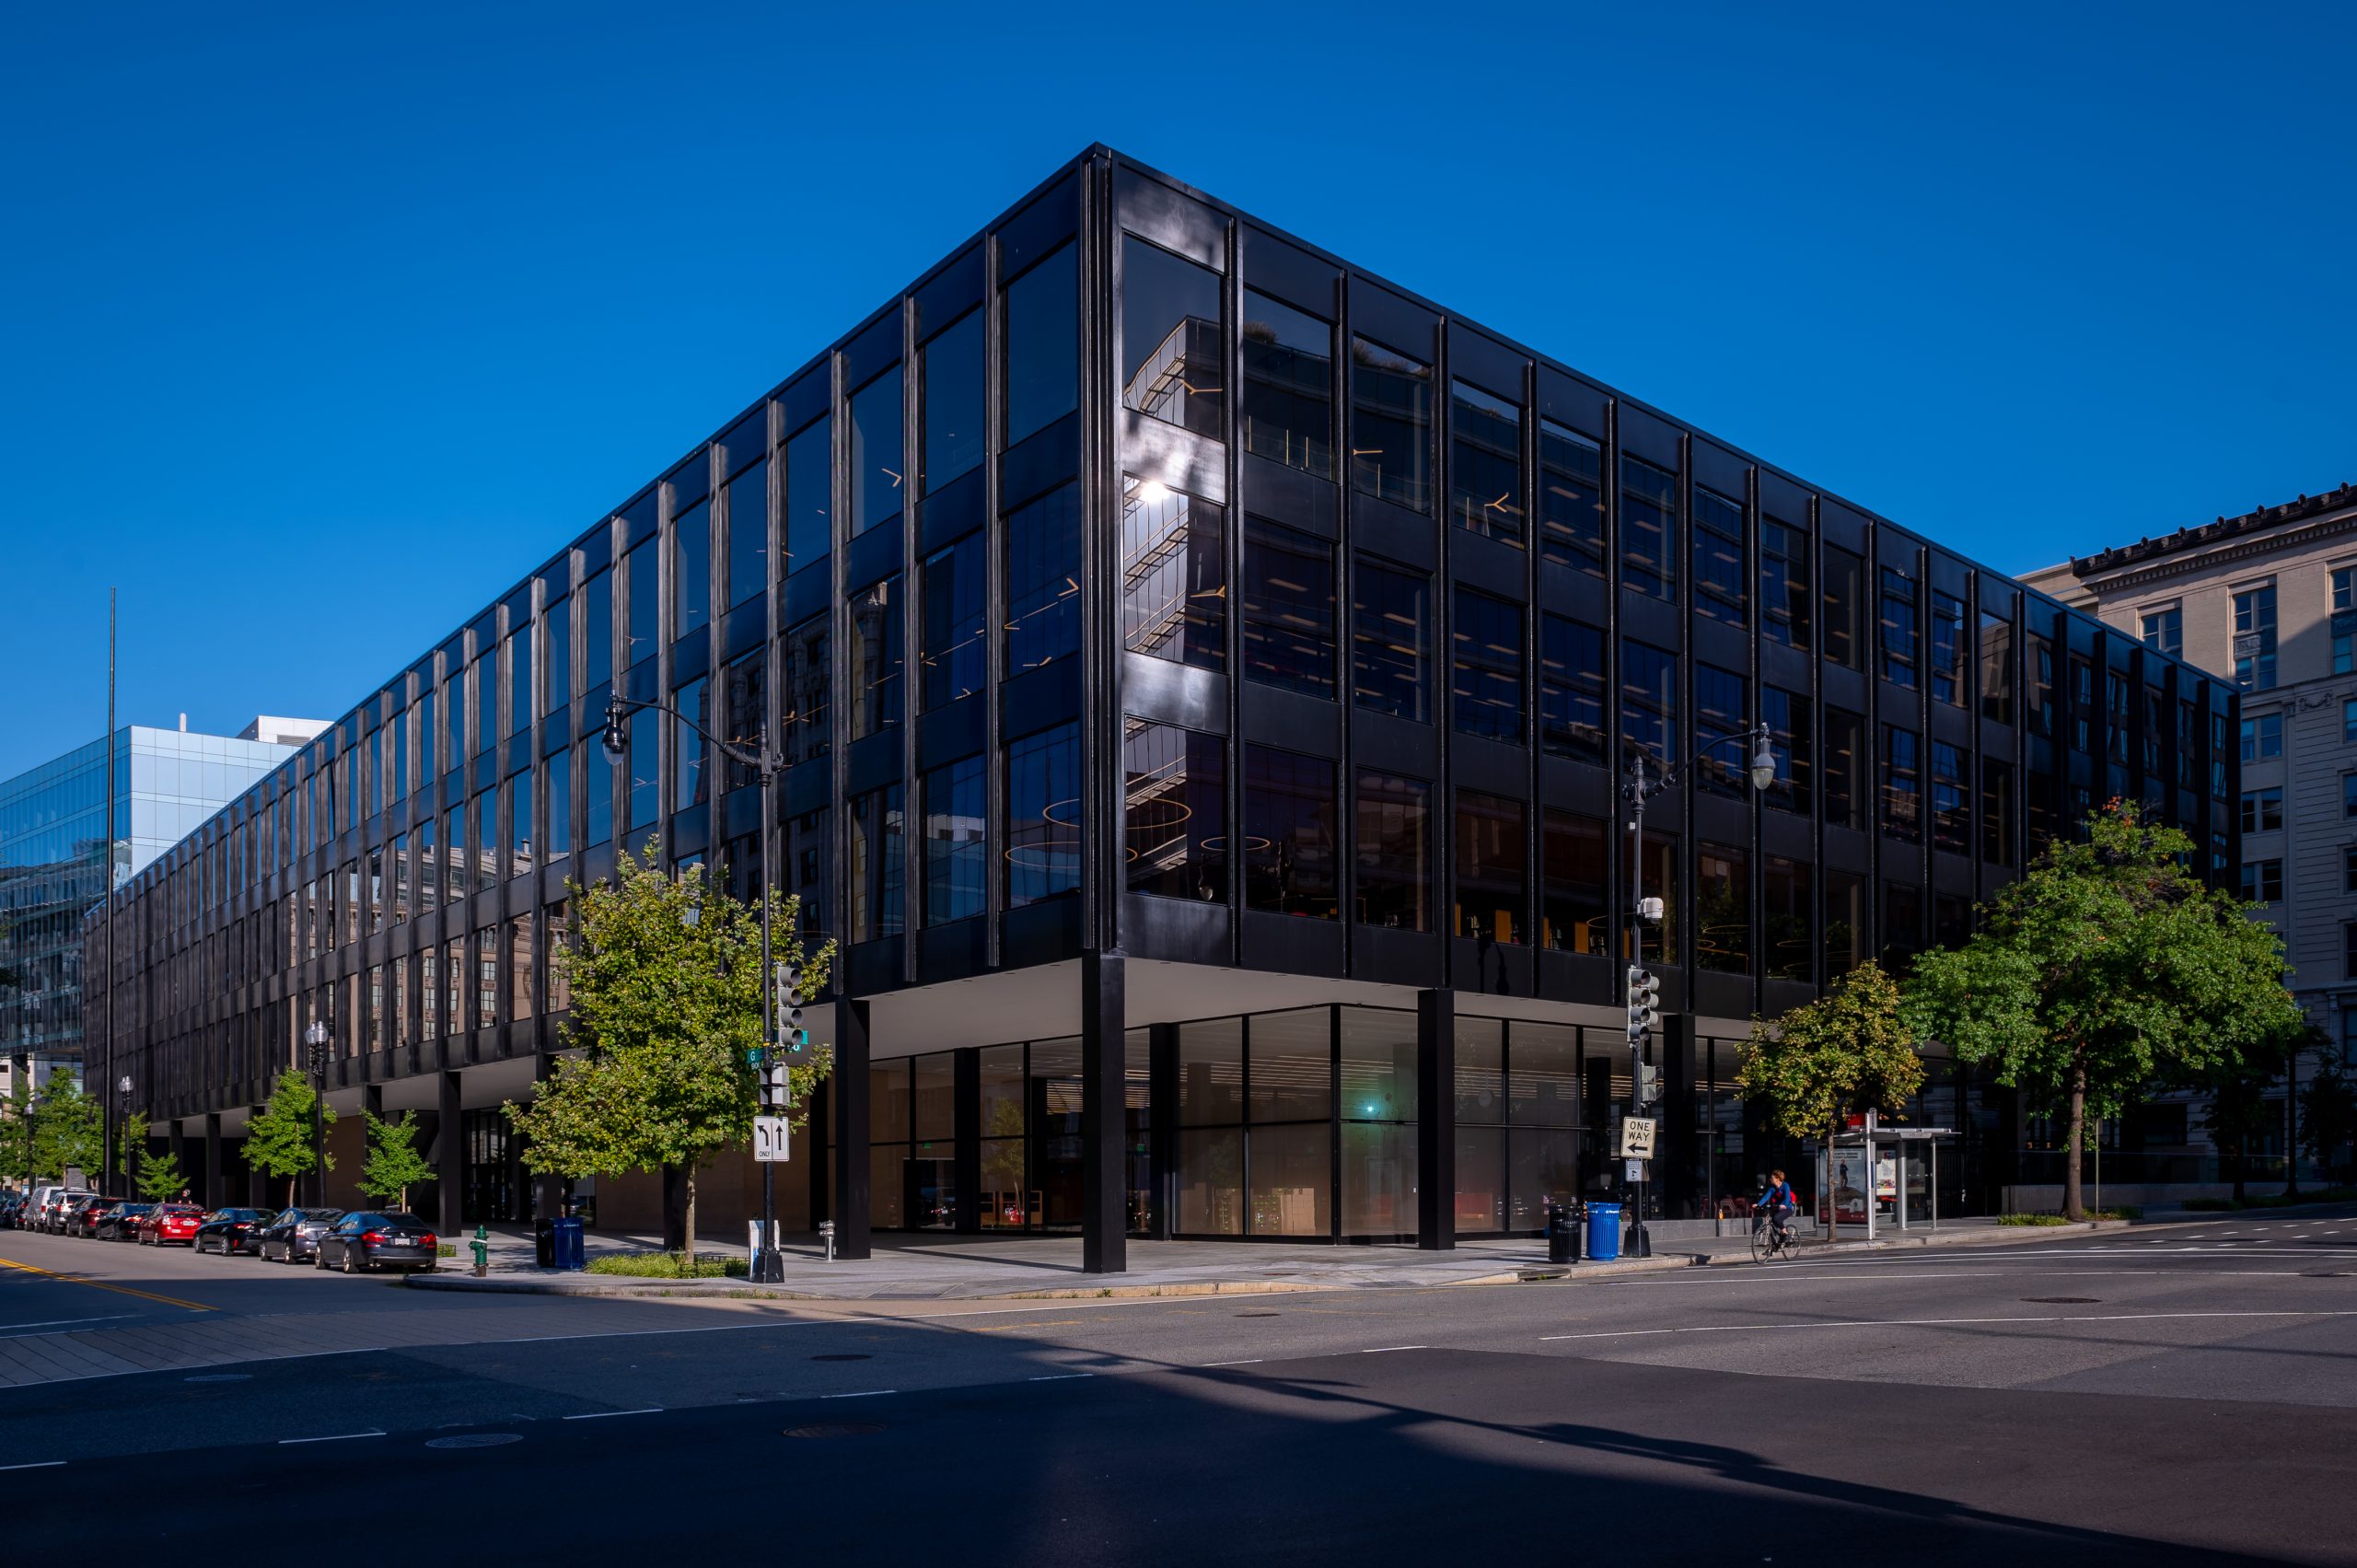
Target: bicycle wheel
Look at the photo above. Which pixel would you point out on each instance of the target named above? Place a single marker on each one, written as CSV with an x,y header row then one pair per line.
x,y
1763,1244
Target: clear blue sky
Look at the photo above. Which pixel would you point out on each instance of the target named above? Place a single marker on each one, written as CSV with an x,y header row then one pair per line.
x,y
322,325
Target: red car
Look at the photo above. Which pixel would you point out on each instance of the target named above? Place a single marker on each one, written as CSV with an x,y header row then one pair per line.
x,y
170,1223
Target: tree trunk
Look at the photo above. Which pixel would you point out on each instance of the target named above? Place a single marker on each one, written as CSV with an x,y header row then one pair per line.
x,y
2073,1199
689,1225
291,1179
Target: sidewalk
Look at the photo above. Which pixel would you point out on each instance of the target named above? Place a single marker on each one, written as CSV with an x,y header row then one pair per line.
x,y
918,1268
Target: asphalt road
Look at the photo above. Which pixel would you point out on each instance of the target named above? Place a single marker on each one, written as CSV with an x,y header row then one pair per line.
x,y
2181,1393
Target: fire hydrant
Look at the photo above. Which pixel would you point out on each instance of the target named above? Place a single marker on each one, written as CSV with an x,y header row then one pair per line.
x,y
482,1246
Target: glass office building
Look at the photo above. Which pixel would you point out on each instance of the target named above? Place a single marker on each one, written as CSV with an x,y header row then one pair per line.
x,y
53,832
1206,670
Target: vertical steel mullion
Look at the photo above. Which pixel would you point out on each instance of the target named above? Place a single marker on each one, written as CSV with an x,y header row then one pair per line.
x,y
839,651
1334,1121
914,878
998,826
1100,456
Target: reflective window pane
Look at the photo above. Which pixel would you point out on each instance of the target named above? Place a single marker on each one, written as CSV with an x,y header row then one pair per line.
x,y
692,570
1043,580
955,586
1492,874
952,365
1287,407
1570,498
1721,580
1391,426
1572,892
1288,609
810,494
956,855
1174,576
1391,637
1289,833
1648,529
1042,345
876,658
1177,819
1486,666
1043,815
1485,463
1571,689
1170,338
1394,852
749,533
876,471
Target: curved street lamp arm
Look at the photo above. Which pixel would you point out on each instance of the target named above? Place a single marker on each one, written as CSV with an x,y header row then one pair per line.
x,y
763,761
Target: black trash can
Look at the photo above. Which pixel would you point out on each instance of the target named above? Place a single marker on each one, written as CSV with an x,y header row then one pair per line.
x,y
545,1242
1563,1234
567,1244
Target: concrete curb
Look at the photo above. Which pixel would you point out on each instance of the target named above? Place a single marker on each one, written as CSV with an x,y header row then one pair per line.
x,y
692,1290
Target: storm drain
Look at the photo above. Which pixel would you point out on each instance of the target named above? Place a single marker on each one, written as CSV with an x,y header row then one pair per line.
x,y
1260,1314
844,1355
2063,1300
835,1429
475,1440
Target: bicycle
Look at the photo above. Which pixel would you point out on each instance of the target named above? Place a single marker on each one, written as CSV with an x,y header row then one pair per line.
x,y
1772,1239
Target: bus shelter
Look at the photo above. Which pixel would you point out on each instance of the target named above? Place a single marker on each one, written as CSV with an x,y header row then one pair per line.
x,y
1874,1177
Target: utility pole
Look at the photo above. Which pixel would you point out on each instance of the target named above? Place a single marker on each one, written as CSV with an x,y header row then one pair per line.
x,y
106,915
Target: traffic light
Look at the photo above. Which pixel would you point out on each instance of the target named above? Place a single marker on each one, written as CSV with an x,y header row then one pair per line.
x,y
1644,1002
1648,1085
789,1002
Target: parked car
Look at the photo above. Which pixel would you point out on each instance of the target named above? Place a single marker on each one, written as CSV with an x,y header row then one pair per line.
x,y
83,1216
12,1204
120,1222
49,1204
366,1239
229,1230
170,1223
294,1234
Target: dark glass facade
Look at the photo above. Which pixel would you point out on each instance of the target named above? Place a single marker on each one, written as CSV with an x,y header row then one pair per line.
x,y
1199,702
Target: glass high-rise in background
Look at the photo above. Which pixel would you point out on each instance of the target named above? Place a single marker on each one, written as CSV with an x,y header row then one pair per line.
x,y
54,834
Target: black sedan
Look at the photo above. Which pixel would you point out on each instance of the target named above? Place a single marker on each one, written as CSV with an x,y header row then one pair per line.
x,y
367,1240
229,1230
293,1234
83,1216
120,1222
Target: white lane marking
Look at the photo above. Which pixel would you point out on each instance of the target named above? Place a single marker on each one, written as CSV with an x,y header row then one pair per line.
x,y
1248,1360
54,1322
332,1437
601,1415
1931,1323
863,1394
39,1465
1060,1376
1386,1349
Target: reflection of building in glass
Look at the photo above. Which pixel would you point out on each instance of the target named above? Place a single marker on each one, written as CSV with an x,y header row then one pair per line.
x,y
54,828
1319,903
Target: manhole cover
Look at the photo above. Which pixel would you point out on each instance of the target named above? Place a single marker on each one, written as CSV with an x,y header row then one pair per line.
x,y
1260,1314
221,1377
2064,1300
835,1429
844,1355
475,1440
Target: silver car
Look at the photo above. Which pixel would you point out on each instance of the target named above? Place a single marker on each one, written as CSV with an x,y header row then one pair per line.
x,y
294,1236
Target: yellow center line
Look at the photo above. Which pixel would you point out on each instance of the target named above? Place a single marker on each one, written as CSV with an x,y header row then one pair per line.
x,y
101,1284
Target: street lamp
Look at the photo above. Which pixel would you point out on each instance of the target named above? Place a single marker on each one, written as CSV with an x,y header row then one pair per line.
x,y
1642,988
316,1038
768,1265
129,1143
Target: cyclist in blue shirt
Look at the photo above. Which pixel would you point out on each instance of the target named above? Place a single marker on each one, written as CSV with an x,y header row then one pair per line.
x,y
1775,1203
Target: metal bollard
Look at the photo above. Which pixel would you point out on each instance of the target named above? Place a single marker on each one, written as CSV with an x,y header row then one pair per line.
x,y
827,1234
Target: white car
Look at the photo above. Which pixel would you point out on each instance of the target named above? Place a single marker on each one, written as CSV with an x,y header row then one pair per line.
x,y
46,1211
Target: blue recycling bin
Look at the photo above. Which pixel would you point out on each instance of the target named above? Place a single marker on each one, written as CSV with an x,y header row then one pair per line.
x,y
565,1233
1604,1232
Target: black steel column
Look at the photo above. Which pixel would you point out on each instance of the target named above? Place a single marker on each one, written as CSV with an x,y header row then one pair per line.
x,y
259,1193
821,1155
208,1190
548,1191
450,1159
1674,1153
1436,1120
1104,1184
966,1137
851,1129
1162,1136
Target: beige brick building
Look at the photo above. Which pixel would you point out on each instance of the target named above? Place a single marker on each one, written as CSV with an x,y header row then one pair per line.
x,y
2268,600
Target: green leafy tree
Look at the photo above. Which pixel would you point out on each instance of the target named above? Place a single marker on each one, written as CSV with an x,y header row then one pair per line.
x,y
2106,968
17,1126
1843,1054
393,1166
666,1014
68,1129
160,1178
278,1140
2328,1118
2237,1113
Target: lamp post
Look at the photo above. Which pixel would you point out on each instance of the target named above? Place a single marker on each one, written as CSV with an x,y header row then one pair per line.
x,y
1642,988
129,1143
769,1267
315,1039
